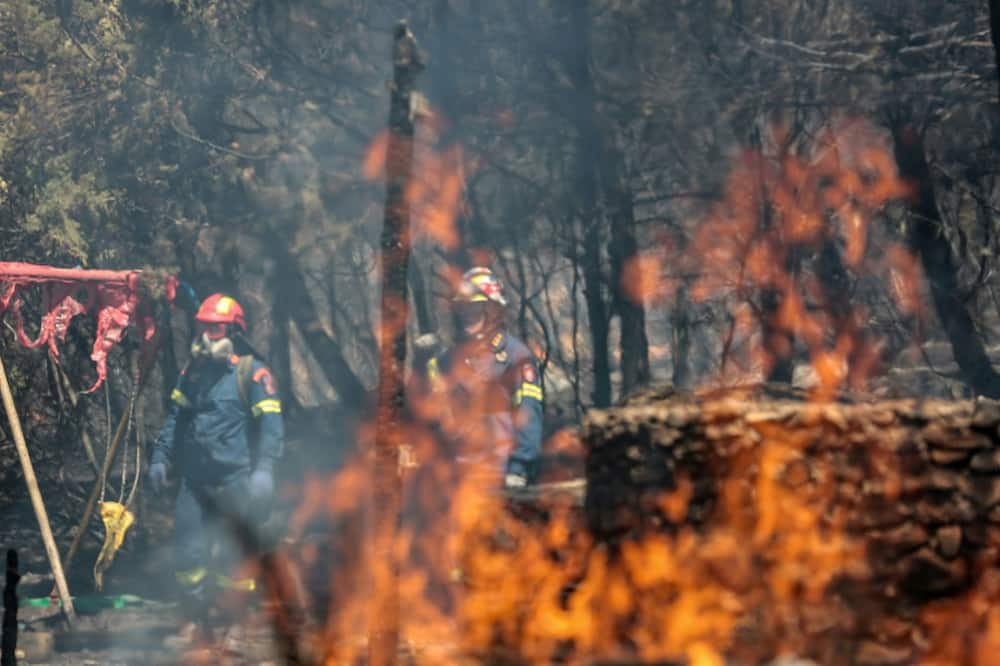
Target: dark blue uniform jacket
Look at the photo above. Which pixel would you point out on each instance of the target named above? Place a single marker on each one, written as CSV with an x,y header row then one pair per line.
x,y
211,434
507,368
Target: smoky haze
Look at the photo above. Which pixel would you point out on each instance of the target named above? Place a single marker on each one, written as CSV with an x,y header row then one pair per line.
x,y
685,193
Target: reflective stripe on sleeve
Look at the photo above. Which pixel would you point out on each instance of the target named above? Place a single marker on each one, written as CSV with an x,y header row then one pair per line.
x,y
242,584
191,577
268,406
527,390
178,397
434,375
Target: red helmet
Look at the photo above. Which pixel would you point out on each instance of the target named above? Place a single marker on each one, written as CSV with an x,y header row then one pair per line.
x,y
221,309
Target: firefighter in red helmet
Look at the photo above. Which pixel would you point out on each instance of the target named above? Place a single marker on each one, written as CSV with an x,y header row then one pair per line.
x,y
221,439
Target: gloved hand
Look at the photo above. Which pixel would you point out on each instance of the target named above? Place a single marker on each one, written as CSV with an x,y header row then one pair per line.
x,y
157,475
514,481
261,488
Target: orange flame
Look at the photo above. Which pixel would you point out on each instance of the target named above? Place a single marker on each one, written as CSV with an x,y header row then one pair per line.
x,y
905,278
776,213
643,278
374,161
478,577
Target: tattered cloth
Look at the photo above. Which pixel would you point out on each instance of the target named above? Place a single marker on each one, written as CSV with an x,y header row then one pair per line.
x,y
112,295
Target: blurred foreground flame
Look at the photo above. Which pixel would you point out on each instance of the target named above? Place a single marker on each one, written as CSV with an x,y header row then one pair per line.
x,y
813,205
483,576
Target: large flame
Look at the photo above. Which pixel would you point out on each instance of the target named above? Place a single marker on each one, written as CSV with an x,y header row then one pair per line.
x,y
775,213
483,576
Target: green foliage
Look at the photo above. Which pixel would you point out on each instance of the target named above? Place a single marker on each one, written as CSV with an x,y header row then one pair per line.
x,y
65,209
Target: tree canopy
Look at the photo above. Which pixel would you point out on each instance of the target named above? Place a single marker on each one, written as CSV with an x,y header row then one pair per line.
x,y
586,145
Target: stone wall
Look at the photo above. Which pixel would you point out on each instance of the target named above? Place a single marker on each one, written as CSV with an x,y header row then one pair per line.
x,y
909,489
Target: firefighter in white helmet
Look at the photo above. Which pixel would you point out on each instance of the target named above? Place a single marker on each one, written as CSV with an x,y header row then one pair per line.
x,y
491,381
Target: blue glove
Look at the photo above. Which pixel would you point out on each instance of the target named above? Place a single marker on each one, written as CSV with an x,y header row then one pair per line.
x,y
157,474
261,489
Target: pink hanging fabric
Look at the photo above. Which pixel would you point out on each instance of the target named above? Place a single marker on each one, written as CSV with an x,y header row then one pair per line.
x,y
113,297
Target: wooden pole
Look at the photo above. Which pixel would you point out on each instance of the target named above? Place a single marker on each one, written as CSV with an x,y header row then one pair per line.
x,y
36,495
383,640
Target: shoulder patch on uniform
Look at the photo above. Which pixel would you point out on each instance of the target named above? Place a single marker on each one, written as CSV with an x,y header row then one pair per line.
x,y
497,341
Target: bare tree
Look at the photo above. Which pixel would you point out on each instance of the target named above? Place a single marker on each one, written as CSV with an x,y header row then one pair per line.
x,y
927,240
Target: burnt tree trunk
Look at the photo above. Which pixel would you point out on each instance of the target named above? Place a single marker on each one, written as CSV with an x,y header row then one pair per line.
x,y
8,646
926,240
836,284
593,283
680,338
448,97
777,340
421,300
168,359
624,248
995,36
587,157
280,344
394,263
302,311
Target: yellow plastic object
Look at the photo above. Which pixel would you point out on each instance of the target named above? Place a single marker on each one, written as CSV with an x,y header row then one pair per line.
x,y
117,519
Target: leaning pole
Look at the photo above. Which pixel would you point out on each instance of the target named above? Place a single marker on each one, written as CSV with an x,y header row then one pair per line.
x,y
36,495
394,261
